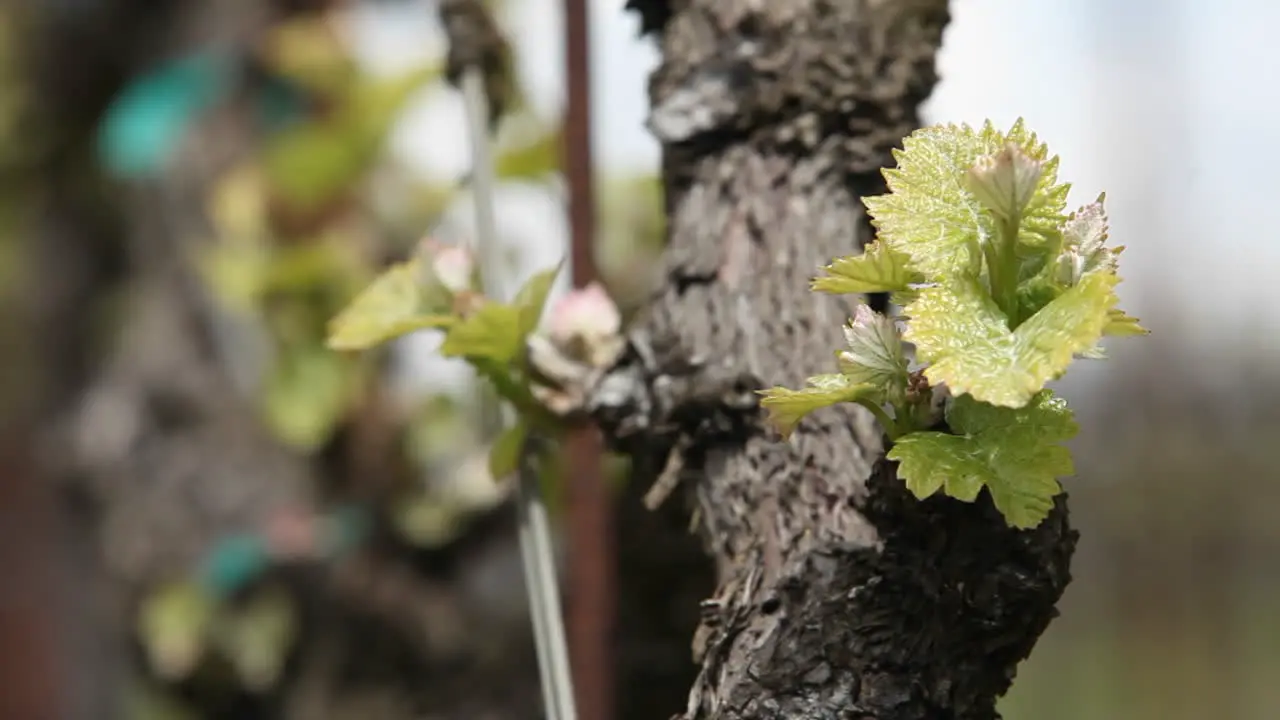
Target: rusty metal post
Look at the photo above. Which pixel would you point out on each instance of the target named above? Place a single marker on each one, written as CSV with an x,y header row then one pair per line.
x,y
34,679
591,596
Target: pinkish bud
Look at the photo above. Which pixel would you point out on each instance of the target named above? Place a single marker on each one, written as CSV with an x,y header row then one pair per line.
x,y
452,265
455,268
584,327
584,313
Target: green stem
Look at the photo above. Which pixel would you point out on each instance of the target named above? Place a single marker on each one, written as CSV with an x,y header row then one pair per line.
x,y
890,427
1002,268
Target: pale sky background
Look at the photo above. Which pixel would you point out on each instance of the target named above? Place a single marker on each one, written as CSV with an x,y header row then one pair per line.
x,y
1168,105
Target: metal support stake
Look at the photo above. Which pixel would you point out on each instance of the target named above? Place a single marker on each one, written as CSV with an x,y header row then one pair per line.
x,y
534,529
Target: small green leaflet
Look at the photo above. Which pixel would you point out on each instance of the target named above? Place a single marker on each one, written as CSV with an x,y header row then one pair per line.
x,y
497,331
787,407
490,333
1015,453
256,637
306,395
172,625
875,355
1120,324
931,215
957,328
532,298
878,269
1035,293
390,307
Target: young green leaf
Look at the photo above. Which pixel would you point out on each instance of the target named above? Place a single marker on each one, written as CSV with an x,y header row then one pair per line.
x,y
787,407
1084,250
878,269
930,461
496,332
310,164
1120,324
490,333
172,626
532,298
957,328
534,160
931,214
1035,293
1015,453
256,637
390,307
875,355
306,396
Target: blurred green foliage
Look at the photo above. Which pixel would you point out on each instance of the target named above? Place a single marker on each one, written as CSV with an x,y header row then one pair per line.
x,y
299,226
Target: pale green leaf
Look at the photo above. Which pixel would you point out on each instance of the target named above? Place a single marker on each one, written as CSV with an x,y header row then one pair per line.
x,y
374,105
787,407
878,269
931,214
237,273
298,268
172,624
305,396
1017,454
428,520
874,355
256,637
504,454
1034,294
533,160
532,298
492,333
393,305
929,461
308,165
311,164
1120,324
959,331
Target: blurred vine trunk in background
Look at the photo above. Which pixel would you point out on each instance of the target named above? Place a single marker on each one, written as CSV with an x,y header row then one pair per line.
x,y
840,596
161,453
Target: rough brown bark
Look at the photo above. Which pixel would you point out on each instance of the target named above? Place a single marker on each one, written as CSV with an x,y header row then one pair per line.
x,y
839,595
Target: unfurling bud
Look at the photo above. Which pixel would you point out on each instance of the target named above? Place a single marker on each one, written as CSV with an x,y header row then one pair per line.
x,y
1004,182
874,353
581,340
585,326
1084,244
454,267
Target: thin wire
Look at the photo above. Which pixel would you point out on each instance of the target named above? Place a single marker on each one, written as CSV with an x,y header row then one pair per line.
x,y
536,552
485,241
540,573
